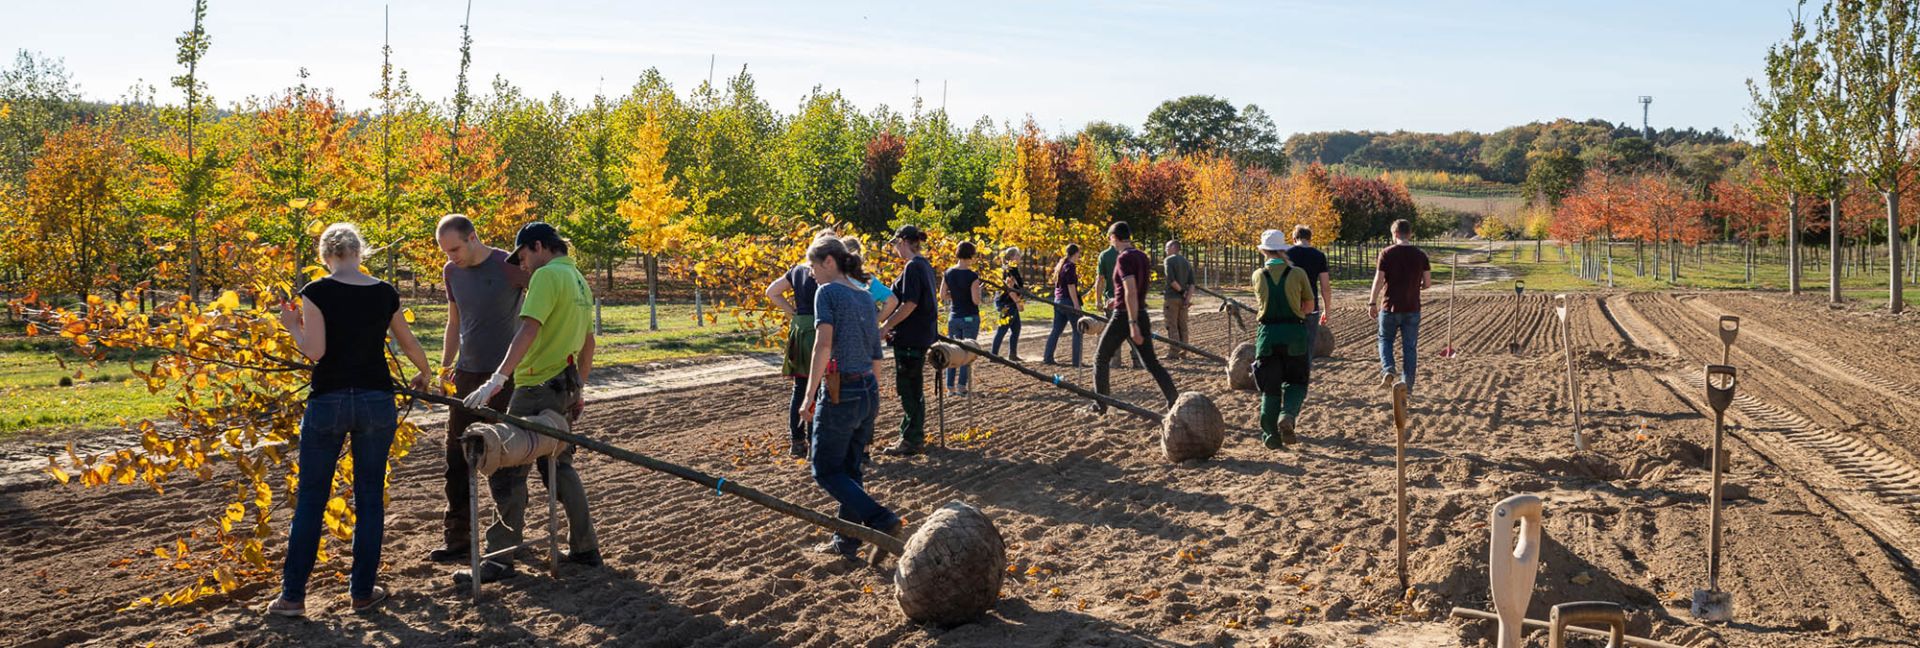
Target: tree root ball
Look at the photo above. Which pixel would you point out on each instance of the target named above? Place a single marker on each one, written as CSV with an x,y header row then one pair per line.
x,y
952,568
1240,368
1192,429
1088,326
946,355
1323,342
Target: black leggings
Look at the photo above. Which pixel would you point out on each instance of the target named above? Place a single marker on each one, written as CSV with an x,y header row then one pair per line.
x,y
1012,327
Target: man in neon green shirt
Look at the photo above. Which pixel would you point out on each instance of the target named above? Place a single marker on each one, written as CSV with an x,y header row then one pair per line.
x,y
548,361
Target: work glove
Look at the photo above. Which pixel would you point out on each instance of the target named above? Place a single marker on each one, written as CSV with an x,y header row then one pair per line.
x,y
485,392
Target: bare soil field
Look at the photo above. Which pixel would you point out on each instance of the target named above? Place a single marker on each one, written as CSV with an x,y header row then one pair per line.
x,y
1110,545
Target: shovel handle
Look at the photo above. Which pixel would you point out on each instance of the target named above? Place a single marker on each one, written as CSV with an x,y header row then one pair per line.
x,y
1588,613
1720,397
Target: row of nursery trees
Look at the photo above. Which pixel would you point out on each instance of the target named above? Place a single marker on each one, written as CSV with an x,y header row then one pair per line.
x,y
194,197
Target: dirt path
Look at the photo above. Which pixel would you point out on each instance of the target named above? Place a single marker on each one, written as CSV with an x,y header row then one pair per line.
x,y
1110,545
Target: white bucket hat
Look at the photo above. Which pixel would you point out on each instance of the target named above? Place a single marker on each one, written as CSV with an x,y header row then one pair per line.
x,y
1274,241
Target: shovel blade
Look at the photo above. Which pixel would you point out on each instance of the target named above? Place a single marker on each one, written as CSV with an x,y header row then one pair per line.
x,y
1712,606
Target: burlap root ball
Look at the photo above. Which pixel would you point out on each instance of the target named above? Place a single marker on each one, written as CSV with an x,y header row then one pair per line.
x,y
952,569
1192,429
1240,368
1088,326
1323,342
947,355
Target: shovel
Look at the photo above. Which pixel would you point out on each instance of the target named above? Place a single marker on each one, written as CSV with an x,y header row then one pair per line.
x,y
1729,331
1711,604
1400,481
1588,613
1519,289
1573,387
1453,287
1512,567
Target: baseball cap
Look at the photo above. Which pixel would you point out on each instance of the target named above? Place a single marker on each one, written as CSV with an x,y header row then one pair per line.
x,y
1274,241
530,233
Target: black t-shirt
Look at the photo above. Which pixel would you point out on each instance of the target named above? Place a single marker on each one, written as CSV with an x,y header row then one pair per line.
x,y
1314,262
804,287
1013,282
915,286
356,319
960,289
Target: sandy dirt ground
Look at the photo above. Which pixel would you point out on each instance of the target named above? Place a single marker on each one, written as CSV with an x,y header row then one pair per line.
x,y
1110,545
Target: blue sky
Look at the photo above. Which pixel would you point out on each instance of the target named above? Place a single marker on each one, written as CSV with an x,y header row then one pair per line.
x,y
1314,65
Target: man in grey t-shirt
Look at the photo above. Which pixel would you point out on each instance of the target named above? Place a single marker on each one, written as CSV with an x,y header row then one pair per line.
x,y
483,309
1179,275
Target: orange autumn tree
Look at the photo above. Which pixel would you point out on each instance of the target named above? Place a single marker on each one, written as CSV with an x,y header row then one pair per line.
x,y
479,180
292,173
73,226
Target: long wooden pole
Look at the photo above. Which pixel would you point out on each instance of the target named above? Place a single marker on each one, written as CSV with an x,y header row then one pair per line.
x,y
1057,381
720,485
1098,318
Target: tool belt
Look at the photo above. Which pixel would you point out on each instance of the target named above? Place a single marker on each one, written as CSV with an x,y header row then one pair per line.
x,y
832,382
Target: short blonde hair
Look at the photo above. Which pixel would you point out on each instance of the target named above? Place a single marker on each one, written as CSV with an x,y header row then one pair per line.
x,y
1012,252
340,241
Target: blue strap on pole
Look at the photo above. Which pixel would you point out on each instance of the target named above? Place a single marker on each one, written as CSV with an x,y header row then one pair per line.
x,y
718,484
1056,380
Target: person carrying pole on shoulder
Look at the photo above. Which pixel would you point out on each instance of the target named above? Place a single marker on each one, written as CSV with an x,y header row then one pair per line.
x,y
1284,346
1129,325
548,361
1305,257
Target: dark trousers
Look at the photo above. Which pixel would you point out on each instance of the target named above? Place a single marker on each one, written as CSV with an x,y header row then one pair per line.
x,y
459,526
1119,333
910,382
1011,328
841,433
796,426
509,485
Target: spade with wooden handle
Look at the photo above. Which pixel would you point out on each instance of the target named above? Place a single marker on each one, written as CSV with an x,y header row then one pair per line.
x,y
1588,613
1711,604
1573,386
1729,331
1400,481
1519,290
1453,289
1511,566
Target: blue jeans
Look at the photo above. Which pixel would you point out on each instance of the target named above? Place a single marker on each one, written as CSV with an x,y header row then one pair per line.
x,y
1407,326
1062,321
965,329
841,433
368,418
1008,331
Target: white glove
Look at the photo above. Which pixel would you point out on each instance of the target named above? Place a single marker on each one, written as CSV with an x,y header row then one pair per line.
x,y
485,392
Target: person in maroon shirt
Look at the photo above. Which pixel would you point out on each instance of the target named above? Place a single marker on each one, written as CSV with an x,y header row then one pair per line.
x,y
1402,273
1129,323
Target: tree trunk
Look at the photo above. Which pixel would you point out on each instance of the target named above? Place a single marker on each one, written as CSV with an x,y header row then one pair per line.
x,y
1833,250
1896,297
653,292
1793,244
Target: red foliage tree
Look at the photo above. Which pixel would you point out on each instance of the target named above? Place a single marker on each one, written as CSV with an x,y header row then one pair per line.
x,y
1149,191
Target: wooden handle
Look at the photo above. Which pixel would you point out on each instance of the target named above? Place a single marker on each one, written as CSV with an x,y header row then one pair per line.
x,y
1070,309
1056,381
720,485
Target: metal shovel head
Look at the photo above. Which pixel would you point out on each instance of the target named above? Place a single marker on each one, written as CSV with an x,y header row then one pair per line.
x,y
1729,329
1560,307
1709,605
1519,286
1721,380
1447,352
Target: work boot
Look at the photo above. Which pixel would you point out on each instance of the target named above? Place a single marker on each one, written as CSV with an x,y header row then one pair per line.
x,y
1273,442
1386,380
1286,430
797,447
898,530
587,558
490,572
452,553
903,449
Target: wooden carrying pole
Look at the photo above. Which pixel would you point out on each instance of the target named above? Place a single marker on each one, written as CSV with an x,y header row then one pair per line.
x,y
720,485
1182,345
1057,381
